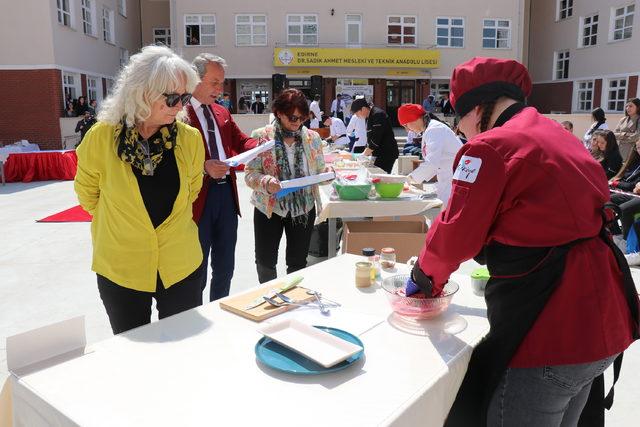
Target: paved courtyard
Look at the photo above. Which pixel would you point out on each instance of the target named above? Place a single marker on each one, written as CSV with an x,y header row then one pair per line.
x,y
45,275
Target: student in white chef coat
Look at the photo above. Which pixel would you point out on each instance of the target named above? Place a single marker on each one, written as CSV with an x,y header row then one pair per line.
x,y
337,130
358,126
439,148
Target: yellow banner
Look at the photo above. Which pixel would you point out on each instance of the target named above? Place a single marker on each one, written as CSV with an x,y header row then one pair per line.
x,y
335,57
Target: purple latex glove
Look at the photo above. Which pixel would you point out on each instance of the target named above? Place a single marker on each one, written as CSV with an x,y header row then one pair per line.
x,y
411,287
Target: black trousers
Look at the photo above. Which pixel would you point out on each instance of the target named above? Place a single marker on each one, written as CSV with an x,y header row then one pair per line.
x,y
629,206
268,233
385,163
128,308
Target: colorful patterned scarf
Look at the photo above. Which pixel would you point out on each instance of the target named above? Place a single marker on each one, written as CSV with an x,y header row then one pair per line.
x,y
142,154
297,202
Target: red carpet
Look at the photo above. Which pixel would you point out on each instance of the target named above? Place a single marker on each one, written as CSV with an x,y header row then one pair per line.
x,y
75,214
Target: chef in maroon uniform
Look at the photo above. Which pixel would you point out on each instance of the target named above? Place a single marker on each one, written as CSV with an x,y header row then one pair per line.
x,y
528,201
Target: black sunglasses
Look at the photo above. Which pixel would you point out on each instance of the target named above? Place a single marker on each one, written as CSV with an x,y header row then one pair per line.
x,y
295,119
173,98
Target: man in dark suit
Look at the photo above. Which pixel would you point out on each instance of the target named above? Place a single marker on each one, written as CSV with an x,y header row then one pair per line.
x,y
447,109
381,141
217,208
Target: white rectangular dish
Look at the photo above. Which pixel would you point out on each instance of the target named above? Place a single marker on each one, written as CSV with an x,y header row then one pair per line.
x,y
317,345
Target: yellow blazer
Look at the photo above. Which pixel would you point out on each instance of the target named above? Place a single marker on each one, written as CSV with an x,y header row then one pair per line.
x,y
126,248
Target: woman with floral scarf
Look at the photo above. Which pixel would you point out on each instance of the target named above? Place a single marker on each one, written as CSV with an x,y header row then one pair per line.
x,y
297,153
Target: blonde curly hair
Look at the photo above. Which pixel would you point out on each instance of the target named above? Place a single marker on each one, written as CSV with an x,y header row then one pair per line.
x,y
148,74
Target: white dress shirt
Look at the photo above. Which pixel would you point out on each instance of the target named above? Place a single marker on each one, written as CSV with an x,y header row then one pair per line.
x,y
197,106
334,106
439,148
315,108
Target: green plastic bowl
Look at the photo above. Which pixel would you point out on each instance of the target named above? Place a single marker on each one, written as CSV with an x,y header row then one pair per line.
x,y
389,190
352,192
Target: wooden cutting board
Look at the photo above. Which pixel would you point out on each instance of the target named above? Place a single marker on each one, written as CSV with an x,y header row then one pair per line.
x,y
264,311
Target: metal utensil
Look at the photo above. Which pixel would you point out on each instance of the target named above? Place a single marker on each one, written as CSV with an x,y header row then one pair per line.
x,y
318,294
323,308
284,288
275,303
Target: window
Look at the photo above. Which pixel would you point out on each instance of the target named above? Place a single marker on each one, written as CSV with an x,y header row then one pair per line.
x,y
439,89
584,96
496,34
110,84
302,29
251,30
450,32
200,30
124,57
94,88
588,31
107,25
89,17
616,94
64,12
401,30
353,29
561,65
70,85
621,23
162,36
122,7
565,9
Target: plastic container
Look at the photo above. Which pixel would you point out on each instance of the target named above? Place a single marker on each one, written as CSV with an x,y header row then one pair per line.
x,y
479,278
387,258
417,306
389,190
352,192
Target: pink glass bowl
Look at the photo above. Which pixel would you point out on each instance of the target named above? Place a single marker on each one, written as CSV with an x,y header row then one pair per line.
x,y
419,307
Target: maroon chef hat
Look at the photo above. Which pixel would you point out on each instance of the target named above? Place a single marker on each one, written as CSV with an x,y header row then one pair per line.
x,y
486,79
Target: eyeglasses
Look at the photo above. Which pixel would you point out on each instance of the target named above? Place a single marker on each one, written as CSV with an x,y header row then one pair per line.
x,y
295,119
173,98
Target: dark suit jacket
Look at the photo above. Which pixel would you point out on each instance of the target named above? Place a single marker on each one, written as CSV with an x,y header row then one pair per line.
x,y
234,141
380,135
447,109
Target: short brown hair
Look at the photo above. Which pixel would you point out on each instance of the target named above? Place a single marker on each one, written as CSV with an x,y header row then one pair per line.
x,y
288,101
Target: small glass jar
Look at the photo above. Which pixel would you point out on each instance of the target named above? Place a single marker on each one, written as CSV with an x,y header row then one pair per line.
x,y
371,257
363,274
388,258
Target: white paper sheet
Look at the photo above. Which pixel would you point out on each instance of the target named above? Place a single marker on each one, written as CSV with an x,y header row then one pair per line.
x,y
307,180
247,156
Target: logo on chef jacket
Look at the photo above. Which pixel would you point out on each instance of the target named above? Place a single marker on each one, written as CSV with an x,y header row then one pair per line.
x,y
468,169
285,56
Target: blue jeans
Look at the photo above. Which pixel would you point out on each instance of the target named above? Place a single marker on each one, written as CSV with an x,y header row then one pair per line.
x,y
548,396
218,232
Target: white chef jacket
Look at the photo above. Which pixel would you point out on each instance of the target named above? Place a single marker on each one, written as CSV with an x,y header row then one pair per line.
x,y
360,127
315,108
338,128
439,148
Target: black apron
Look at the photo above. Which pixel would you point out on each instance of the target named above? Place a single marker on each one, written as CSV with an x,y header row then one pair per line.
x,y
522,281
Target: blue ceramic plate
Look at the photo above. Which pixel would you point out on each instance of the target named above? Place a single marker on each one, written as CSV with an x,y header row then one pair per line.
x,y
280,358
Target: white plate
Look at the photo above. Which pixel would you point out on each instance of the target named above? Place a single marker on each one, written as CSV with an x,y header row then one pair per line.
x,y
317,345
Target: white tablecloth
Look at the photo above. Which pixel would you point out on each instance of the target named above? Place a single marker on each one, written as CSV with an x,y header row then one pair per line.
x,y
16,149
199,368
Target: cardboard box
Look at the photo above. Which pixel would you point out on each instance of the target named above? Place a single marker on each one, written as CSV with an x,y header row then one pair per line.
x,y
406,237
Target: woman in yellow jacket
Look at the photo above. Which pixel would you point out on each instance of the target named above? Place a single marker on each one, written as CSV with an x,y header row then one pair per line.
x,y
139,171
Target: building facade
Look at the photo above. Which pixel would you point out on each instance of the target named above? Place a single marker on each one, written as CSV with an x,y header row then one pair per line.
x,y
72,48
381,50
583,55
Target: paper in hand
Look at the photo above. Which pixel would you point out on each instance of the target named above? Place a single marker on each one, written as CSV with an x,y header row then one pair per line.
x,y
247,156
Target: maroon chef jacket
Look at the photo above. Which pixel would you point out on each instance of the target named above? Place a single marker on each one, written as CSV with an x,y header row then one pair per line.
x,y
530,183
